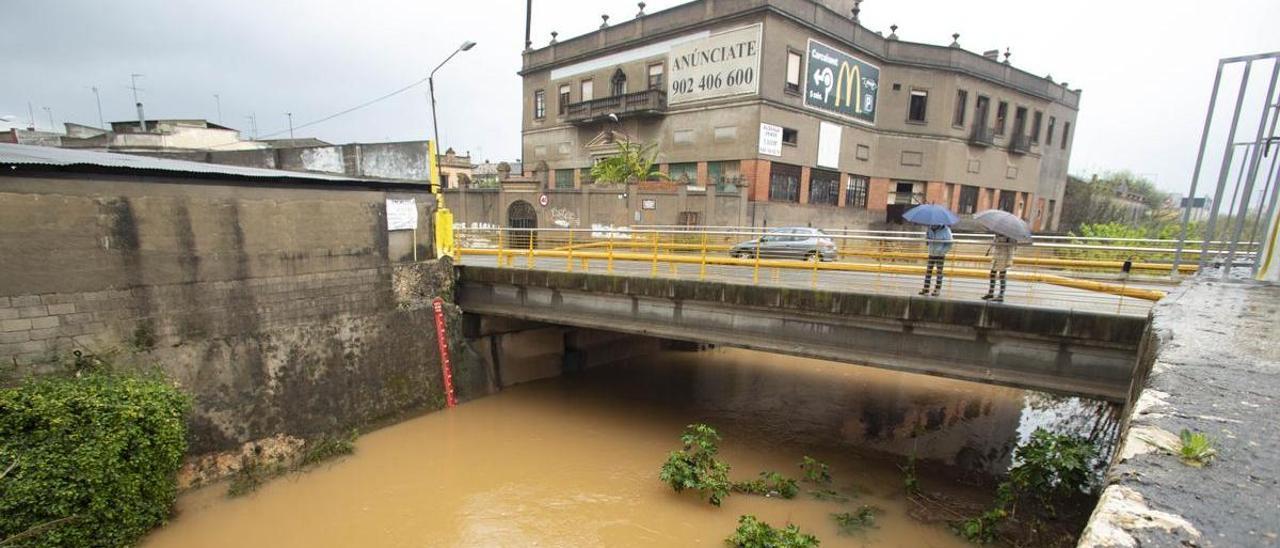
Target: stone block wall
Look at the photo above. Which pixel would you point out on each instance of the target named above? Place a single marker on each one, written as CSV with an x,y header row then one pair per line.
x,y
281,310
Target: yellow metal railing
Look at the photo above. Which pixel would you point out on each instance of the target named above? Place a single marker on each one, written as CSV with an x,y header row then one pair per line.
x,y
728,253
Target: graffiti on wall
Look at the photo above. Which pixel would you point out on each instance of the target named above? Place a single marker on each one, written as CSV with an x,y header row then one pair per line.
x,y
564,218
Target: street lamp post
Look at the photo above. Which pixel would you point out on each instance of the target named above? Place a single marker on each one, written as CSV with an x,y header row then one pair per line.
x,y
435,125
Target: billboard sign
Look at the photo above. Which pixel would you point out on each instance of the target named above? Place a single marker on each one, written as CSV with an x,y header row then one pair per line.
x,y
720,65
841,84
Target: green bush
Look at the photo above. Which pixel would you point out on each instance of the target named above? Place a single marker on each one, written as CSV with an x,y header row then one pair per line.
x,y
1051,468
93,459
769,484
696,466
753,533
815,471
863,519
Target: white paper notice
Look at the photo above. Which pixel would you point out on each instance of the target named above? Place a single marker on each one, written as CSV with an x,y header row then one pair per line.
x,y
402,214
829,145
770,139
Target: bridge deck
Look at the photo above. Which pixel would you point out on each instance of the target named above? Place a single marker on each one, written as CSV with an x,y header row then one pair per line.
x,y
1033,294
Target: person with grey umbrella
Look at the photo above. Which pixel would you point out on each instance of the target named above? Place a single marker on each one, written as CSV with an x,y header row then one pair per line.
x,y
1001,259
939,238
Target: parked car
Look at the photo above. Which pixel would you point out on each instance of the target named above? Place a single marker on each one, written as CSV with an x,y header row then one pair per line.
x,y
788,243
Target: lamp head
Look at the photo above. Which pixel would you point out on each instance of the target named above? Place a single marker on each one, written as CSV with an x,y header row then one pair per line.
x,y
466,45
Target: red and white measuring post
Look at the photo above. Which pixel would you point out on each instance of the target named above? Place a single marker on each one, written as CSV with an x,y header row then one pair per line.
x,y
446,367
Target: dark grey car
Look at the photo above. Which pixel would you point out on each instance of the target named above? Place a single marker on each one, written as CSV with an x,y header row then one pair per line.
x,y
788,243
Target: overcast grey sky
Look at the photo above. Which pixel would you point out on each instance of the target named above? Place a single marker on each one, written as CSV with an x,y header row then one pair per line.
x,y
1146,67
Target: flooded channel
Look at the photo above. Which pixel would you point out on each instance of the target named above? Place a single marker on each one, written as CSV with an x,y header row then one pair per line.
x,y
574,461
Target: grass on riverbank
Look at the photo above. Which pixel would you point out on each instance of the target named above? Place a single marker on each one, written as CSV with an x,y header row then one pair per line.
x,y
255,473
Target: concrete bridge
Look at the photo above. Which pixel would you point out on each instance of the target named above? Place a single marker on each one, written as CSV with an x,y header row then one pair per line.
x,y
1091,354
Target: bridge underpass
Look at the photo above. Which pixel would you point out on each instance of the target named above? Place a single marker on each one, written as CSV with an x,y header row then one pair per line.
x,y
1073,352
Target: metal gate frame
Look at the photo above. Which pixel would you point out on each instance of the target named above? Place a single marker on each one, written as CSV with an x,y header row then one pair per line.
x,y
1263,142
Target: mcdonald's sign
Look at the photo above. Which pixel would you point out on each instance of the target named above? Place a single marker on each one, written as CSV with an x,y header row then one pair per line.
x,y
840,83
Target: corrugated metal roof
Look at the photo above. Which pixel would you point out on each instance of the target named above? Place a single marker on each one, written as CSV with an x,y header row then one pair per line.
x,y
17,155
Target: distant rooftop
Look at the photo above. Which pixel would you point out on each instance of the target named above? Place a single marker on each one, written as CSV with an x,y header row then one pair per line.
x,y
14,157
296,143
188,122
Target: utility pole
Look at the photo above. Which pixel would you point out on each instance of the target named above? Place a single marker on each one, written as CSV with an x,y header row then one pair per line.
x,y
218,101
31,115
133,84
49,111
290,116
98,97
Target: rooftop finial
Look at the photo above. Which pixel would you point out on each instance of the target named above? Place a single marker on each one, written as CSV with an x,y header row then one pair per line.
x,y
857,9
955,40
641,14
1006,55
893,32
554,34
604,20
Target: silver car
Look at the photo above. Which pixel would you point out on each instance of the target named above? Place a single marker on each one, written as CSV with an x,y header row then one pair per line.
x,y
788,243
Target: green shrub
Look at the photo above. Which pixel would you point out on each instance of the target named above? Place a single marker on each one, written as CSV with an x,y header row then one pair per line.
x,y
1051,467
753,533
830,495
861,520
696,466
815,471
769,484
96,458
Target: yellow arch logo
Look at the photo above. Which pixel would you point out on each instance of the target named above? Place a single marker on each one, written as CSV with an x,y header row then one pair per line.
x,y
849,86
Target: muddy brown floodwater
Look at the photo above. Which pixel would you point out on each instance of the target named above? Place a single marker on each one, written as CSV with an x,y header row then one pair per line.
x,y
574,461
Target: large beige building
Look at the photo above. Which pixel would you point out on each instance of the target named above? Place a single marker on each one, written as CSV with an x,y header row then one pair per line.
x,y
820,119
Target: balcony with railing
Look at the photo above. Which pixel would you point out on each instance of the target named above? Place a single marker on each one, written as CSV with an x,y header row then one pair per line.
x,y
982,136
1020,144
650,102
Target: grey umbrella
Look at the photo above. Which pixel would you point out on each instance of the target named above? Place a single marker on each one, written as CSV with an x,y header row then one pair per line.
x,y
1005,224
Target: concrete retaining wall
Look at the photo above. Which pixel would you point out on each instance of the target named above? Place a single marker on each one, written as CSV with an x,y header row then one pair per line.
x,y
1210,364
282,309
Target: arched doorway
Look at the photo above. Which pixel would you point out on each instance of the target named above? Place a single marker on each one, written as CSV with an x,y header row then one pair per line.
x,y
521,219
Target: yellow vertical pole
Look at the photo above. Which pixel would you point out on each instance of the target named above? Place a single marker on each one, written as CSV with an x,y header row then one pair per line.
x,y
443,237
609,266
653,271
528,262
702,269
755,270
671,251
568,260
501,248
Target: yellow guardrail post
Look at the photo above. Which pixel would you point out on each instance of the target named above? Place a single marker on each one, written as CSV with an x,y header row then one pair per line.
x,y
609,266
568,262
653,271
528,262
702,268
501,248
673,251
755,270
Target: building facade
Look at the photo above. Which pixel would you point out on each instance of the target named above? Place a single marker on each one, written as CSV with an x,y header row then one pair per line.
x,y
819,119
